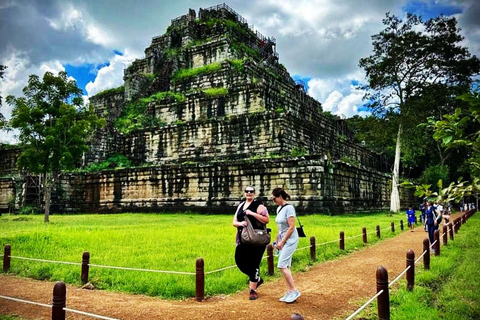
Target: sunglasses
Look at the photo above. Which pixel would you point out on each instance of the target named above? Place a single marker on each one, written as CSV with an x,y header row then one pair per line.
x,y
249,191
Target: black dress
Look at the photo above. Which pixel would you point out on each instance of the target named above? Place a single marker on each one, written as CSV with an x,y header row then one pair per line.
x,y
248,257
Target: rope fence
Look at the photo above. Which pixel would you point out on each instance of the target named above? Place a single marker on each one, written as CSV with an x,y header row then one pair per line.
x,y
88,314
200,272
59,304
399,276
26,301
365,305
382,295
43,260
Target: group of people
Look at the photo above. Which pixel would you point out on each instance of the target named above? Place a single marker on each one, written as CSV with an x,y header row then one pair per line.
x,y
431,216
248,257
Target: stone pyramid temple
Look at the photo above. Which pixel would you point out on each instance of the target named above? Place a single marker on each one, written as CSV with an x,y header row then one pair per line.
x,y
208,111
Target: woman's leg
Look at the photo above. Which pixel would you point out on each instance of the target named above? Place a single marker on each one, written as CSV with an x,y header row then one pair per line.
x,y
287,274
431,233
241,259
256,259
248,259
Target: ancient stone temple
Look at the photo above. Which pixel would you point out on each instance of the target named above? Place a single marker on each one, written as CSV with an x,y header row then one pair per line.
x,y
210,110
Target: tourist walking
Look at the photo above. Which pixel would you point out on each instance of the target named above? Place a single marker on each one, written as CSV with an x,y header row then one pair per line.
x,y
286,241
432,217
248,257
411,218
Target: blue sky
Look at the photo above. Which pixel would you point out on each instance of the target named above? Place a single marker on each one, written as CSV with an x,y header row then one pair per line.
x,y
319,41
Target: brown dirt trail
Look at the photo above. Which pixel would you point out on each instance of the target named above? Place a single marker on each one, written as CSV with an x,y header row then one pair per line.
x,y
329,290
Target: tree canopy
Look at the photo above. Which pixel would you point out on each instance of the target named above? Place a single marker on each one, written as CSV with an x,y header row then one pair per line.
x,y
416,69
54,127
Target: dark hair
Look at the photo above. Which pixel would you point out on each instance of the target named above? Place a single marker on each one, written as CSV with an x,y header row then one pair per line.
x,y
280,192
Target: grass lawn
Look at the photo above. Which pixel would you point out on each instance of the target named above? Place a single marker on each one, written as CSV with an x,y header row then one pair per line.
x,y
449,290
170,242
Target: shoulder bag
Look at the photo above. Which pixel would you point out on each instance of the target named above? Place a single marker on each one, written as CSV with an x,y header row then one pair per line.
x,y
300,231
254,237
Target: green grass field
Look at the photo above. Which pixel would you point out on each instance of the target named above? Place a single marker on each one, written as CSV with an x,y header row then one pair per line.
x,y
449,290
170,242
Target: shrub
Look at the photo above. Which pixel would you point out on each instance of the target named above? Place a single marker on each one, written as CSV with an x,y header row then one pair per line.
x,y
30,210
215,92
111,91
298,152
116,161
186,74
433,174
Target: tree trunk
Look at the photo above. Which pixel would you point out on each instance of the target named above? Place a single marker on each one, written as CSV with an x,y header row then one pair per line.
x,y
47,195
395,196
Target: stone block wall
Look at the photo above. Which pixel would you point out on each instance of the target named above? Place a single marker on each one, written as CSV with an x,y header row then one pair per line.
x,y
314,185
8,161
7,193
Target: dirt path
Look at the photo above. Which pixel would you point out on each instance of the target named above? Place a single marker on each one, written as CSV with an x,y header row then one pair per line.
x,y
331,289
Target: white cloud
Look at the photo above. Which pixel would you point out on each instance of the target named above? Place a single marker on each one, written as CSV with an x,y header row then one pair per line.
x,y
110,76
18,70
73,19
337,96
68,19
15,77
51,66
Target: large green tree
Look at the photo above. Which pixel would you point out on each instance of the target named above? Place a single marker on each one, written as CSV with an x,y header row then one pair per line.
x,y
413,62
54,127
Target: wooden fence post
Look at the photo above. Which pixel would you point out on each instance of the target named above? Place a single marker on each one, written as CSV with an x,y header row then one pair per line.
x,y
455,225
378,231
313,254
426,256
401,225
383,300
445,235
436,239
364,232
270,267
200,280
411,271
342,240
450,230
59,301
6,257
393,226
85,266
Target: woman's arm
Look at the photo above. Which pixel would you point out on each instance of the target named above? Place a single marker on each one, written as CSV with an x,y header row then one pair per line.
x,y
237,223
291,228
261,214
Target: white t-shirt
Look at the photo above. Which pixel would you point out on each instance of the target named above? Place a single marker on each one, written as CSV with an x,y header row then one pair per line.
x,y
281,220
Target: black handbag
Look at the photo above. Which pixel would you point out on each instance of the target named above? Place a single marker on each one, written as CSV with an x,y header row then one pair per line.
x,y
300,231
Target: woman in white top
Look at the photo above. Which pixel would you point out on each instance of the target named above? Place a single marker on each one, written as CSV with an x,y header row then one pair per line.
x,y
287,241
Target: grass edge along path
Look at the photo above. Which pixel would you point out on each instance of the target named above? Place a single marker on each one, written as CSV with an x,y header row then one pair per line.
x,y
449,290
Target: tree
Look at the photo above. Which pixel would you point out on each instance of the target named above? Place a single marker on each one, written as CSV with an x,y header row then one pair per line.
x,y
412,62
54,127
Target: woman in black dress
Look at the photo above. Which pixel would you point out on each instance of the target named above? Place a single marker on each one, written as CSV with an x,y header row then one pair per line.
x,y
248,257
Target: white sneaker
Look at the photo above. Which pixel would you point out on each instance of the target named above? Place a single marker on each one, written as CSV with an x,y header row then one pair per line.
x,y
292,296
282,299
